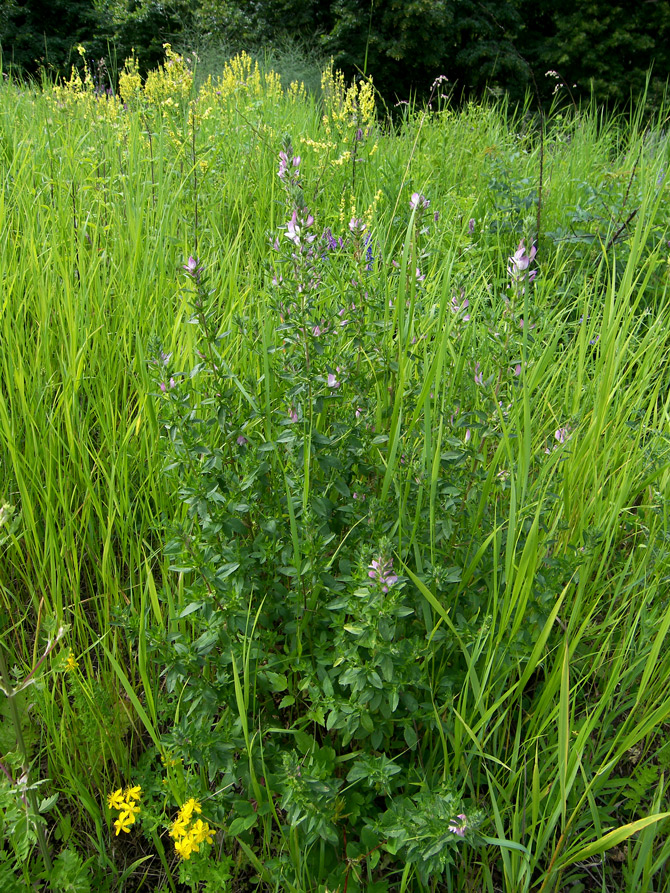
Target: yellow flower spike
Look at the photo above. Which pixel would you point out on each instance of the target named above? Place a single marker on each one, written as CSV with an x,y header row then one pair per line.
x,y
71,662
115,800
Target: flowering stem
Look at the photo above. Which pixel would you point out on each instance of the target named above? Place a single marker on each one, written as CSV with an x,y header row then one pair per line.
x,y
195,182
21,745
50,647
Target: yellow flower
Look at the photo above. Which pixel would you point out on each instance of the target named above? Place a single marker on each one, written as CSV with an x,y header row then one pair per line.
x,y
115,800
131,808
133,793
183,848
123,823
178,829
71,663
201,832
189,808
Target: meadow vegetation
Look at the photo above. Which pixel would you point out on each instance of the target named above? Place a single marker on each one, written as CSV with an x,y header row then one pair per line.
x,y
334,463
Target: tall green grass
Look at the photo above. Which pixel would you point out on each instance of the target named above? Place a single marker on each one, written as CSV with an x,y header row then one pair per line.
x,y
557,728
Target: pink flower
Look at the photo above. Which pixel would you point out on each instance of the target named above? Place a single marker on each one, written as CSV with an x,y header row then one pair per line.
x,y
562,434
519,263
332,381
284,162
418,201
382,572
293,415
241,440
479,378
293,229
459,308
192,269
459,825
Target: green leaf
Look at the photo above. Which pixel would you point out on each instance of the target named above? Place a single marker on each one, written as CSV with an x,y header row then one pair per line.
x,y
410,737
609,840
47,803
242,823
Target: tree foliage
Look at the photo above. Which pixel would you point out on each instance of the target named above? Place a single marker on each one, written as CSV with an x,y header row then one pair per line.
x,y
43,33
598,47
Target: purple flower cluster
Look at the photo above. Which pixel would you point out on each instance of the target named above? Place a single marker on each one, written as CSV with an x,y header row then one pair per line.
x,y
418,202
459,306
295,228
331,242
369,256
519,263
289,168
459,825
192,269
562,435
382,572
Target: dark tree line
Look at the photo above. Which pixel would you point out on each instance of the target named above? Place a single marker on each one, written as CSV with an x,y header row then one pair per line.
x,y
600,47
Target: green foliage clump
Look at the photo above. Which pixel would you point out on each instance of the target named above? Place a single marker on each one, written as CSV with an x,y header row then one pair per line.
x,y
365,572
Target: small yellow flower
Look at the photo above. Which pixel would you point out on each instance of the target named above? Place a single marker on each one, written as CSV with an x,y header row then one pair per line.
x,y
178,829
131,808
201,832
123,823
183,848
71,663
115,800
133,793
189,808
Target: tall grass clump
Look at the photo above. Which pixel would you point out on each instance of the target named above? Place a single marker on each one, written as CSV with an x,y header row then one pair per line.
x,y
334,502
